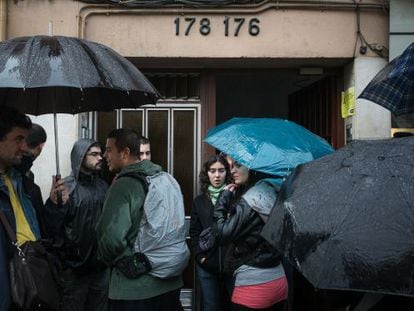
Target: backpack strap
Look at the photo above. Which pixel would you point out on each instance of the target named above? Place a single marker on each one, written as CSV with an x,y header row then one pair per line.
x,y
141,177
10,232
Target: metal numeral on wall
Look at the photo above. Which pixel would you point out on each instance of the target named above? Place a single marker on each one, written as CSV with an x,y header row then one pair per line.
x,y
231,25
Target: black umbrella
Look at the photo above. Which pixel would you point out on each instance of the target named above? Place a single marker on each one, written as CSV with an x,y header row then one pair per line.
x,y
393,86
346,221
56,74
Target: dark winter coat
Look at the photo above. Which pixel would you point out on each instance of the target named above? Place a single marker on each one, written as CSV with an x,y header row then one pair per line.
x,y
201,219
35,194
72,225
5,245
241,231
117,231
32,189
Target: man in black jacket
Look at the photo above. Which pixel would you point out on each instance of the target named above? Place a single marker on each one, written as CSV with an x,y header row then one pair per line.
x,y
35,140
72,227
14,200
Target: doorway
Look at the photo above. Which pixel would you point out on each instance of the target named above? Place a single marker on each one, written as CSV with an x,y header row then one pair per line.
x,y
312,101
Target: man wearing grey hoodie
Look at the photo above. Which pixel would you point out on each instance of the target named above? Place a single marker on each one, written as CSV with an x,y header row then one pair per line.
x,y
71,225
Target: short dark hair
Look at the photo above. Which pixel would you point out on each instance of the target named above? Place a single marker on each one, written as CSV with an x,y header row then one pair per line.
x,y
143,140
97,144
126,138
204,180
37,135
11,117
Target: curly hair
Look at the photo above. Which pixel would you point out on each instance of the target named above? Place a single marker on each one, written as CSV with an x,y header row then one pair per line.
x,y
204,180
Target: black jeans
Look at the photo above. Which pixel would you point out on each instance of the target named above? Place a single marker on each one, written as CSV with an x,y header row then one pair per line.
x,y
87,292
169,301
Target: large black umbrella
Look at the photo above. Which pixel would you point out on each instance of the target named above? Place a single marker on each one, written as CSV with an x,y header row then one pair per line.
x,y
393,86
346,221
56,74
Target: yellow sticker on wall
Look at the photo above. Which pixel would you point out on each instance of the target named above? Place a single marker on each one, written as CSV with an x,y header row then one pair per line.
x,y
348,102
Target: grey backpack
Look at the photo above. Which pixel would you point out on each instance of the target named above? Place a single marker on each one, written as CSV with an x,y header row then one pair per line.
x,y
162,233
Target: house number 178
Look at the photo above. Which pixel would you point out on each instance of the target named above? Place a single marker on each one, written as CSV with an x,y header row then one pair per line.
x,y
232,26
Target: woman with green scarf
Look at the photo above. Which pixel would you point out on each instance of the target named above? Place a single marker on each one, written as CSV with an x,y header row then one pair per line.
x,y
214,175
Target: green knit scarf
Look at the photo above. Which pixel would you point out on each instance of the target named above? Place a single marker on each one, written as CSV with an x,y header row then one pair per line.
x,y
214,193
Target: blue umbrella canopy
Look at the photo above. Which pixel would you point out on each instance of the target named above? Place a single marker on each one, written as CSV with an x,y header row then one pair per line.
x,y
393,87
268,145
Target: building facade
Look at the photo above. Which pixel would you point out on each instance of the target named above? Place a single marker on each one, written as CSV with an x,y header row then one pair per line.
x,y
213,60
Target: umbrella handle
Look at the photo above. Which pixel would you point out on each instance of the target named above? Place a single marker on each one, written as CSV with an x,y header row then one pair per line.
x,y
59,193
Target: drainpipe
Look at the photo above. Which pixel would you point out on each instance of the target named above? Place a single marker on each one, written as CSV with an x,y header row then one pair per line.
x,y
3,19
89,10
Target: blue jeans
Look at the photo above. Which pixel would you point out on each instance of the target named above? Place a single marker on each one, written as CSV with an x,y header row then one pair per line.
x,y
212,287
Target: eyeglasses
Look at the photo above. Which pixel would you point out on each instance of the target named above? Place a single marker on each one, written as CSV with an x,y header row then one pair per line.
x,y
95,154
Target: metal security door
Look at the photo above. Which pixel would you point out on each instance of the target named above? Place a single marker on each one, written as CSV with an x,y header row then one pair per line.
x,y
175,136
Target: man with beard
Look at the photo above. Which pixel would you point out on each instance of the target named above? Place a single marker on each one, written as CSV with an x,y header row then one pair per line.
x,y
15,203
72,223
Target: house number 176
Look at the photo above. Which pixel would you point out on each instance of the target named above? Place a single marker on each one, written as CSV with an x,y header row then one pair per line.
x,y
232,26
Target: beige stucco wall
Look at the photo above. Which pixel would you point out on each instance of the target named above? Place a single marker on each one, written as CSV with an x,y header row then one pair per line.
x,y
32,17
284,33
3,19
371,121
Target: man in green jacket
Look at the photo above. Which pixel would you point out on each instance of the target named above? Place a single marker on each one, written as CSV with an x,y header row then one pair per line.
x,y
118,228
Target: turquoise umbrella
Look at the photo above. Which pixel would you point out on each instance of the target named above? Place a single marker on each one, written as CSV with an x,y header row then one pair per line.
x,y
268,145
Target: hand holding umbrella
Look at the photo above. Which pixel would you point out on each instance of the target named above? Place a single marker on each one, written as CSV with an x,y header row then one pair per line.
x,y
59,194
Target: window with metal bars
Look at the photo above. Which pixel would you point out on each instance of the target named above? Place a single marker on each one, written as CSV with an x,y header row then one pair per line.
x,y
176,85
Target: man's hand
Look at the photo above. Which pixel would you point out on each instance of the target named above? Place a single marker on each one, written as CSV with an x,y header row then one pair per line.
x,y
58,186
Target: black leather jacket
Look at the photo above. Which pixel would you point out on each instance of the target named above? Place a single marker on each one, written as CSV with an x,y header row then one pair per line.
x,y
201,219
241,231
